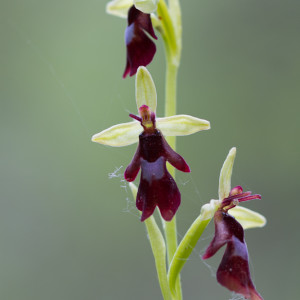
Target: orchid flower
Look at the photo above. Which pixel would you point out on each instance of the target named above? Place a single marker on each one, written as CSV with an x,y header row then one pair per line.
x,y
228,230
233,271
157,187
140,47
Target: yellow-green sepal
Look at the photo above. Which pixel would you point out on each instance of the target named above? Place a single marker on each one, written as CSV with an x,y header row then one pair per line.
x,y
225,175
146,6
119,135
248,218
181,125
119,8
145,91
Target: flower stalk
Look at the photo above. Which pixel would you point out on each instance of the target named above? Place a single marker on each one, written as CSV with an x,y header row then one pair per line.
x,y
171,23
184,250
157,187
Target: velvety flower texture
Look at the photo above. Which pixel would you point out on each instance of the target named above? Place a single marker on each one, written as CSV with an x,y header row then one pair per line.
x,y
157,187
233,271
140,47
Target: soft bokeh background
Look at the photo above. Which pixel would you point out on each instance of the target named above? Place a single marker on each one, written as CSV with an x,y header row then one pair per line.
x,y
69,229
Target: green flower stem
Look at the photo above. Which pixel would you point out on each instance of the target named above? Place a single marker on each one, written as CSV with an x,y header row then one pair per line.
x,y
158,247
170,227
168,31
185,249
171,83
175,12
159,251
171,34
170,109
171,240
172,51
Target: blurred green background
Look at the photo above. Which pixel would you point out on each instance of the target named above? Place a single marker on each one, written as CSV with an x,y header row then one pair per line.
x,y
68,224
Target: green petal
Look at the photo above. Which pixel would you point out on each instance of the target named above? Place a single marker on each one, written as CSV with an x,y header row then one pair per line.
x,y
145,91
146,6
248,218
119,8
225,174
119,135
181,125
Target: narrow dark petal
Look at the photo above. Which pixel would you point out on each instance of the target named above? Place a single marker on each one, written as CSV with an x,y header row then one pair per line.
x,y
135,117
176,160
246,196
133,168
229,199
250,197
140,48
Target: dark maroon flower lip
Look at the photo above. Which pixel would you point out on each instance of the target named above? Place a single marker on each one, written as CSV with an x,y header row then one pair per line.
x,y
157,187
233,271
140,47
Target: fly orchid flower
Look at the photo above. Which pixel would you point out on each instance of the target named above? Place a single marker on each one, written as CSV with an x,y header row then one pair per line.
x,y
233,271
140,47
157,187
246,217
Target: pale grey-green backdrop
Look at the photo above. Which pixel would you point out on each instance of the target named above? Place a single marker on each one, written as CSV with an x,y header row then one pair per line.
x,y
68,231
